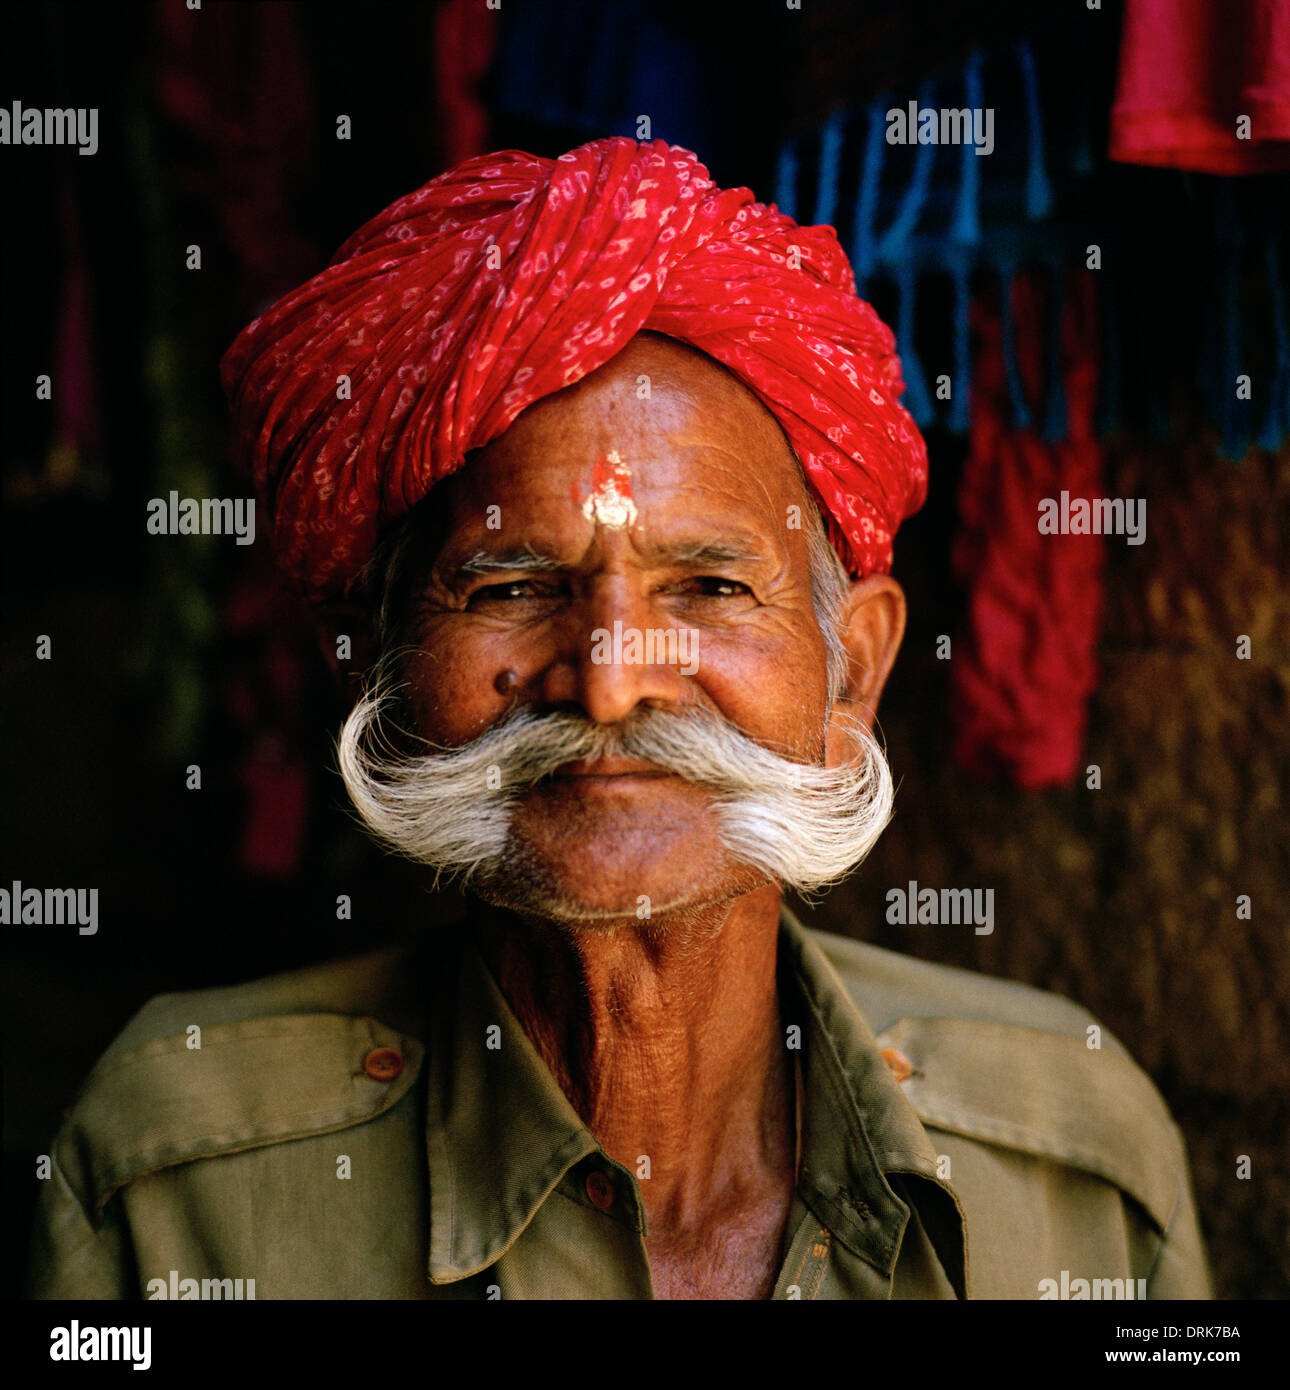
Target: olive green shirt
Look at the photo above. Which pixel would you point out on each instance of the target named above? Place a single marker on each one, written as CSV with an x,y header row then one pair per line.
x,y
383,1128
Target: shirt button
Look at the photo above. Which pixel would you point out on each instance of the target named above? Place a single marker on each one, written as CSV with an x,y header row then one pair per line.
x,y
600,1190
901,1067
383,1063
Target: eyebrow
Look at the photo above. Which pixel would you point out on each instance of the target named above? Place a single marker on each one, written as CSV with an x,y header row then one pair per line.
x,y
490,562
701,553
695,554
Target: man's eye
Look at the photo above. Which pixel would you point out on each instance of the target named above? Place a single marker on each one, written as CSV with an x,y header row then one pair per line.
x,y
512,589
713,586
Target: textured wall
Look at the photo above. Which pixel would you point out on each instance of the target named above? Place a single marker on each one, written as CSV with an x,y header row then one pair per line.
x,y
1125,898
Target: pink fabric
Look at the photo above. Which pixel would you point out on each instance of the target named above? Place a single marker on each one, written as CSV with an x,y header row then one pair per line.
x,y
1188,70
269,647
509,278
76,398
465,35
1023,672
233,81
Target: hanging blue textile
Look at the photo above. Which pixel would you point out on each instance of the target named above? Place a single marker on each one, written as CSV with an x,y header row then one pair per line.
x,y
562,33
964,237
894,247
664,77
1016,388
1039,192
1082,159
961,399
634,63
1055,385
520,63
965,228
917,400
1276,419
786,179
598,107
864,255
1235,413
826,189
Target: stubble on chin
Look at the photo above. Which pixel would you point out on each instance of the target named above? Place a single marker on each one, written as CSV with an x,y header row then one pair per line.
x,y
532,883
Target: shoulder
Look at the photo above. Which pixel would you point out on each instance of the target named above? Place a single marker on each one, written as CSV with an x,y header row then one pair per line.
x,y
355,985
207,1072
1016,1067
886,986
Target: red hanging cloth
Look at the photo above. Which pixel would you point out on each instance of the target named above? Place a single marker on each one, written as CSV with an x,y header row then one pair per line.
x,y
1024,669
1189,71
465,36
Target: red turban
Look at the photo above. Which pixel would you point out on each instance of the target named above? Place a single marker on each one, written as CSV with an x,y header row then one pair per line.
x,y
510,277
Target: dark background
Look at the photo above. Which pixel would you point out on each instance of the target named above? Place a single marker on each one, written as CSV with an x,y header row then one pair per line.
x,y
177,651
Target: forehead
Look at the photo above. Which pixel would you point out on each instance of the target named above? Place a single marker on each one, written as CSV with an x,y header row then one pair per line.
x,y
698,444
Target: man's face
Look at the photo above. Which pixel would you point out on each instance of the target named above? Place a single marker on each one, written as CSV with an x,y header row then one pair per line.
x,y
706,466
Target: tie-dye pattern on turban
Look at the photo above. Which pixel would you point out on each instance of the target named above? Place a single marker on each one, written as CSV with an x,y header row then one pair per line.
x,y
509,278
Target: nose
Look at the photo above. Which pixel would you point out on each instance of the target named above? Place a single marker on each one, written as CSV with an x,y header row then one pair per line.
x,y
600,663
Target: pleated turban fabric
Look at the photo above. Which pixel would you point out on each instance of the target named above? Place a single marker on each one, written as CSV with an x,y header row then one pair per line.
x,y
511,277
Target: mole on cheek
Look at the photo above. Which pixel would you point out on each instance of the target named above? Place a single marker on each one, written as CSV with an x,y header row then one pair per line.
x,y
505,682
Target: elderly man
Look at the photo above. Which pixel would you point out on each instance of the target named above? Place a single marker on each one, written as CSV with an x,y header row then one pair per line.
x,y
614,458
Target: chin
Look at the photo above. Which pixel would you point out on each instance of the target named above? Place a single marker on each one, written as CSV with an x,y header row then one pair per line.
x,y
601,874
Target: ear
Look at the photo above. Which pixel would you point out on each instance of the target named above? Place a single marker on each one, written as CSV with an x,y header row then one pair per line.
x,y
873,626
347,640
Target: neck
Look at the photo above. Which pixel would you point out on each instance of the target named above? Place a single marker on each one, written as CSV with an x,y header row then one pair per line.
x,y
666,1038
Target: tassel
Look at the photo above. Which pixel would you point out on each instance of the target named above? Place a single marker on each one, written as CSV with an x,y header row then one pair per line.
x,y
961,403
826,186
894,248
786,179
965,229
1039,192
863,252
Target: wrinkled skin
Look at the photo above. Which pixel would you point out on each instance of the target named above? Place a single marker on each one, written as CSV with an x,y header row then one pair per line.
x,y
665,1035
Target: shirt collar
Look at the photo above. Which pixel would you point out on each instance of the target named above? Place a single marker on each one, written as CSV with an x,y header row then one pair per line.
x,y
500,1134
858,1128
